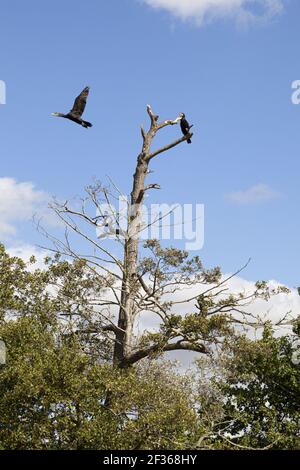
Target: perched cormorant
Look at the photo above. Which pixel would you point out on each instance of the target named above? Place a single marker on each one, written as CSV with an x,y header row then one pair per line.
x,y
77,110
185,127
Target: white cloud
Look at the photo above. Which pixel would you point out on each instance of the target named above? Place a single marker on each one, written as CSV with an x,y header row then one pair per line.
x,y
19,202
201,11
26,251
275,308
256,194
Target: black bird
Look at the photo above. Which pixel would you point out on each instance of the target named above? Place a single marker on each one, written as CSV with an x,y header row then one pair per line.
x,y
77,110
185,127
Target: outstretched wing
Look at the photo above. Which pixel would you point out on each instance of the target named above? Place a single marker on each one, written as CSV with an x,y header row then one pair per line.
x,y
79,103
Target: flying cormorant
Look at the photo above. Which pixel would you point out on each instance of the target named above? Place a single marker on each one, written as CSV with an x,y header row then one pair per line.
x,y
77,110
185,127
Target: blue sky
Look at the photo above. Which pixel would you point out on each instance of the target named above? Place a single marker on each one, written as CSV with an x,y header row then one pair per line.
x,y
232,80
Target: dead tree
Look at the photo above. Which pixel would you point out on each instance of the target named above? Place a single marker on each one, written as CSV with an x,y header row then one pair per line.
x,y
127,286
131,281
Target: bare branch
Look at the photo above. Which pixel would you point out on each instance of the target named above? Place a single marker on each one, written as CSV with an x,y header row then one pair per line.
x,y
169,122
143,132
152,186
168,147
153,117
179,345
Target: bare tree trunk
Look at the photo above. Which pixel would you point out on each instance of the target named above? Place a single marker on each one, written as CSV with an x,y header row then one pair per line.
x,y
130,283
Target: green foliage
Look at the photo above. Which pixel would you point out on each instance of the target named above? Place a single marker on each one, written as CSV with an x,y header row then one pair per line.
x,y
54,386
52,397
172,264
59,390
262,393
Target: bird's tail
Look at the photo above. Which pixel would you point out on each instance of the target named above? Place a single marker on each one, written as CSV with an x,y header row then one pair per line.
x,y
87,124
189,141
